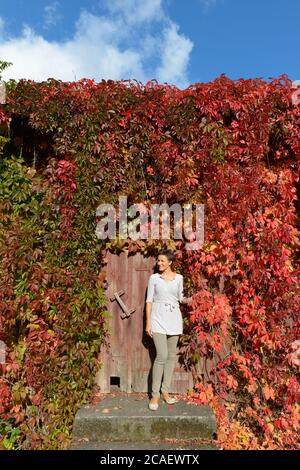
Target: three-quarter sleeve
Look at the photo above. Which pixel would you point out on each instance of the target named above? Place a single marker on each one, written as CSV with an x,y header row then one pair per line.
x,y
180,289
150,289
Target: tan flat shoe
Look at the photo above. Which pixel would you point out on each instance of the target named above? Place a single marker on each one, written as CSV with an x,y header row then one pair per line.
x,y
169,400
153,406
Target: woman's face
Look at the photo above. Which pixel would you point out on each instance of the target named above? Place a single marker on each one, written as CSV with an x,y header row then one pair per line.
x,y
163,263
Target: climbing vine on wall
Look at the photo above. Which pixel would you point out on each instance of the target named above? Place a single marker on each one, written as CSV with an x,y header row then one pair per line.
x,y
231,145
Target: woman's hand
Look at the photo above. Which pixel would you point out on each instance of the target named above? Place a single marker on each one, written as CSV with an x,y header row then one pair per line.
x,y
148,329
186,300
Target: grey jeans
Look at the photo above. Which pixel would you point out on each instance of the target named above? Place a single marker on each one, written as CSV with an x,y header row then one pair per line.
x,y
164,363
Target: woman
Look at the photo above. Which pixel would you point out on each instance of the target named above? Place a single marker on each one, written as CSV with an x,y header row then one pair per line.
x,y
164,323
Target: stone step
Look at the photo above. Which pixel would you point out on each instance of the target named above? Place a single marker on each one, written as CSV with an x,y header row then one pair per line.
x,y
127,419
153,445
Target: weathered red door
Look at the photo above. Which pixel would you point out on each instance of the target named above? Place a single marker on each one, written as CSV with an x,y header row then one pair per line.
x,y
129,359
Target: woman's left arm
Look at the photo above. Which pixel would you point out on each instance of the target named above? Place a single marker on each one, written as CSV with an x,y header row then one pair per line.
x,y
182,299
180,289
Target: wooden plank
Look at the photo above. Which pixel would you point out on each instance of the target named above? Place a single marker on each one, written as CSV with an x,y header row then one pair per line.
x,y
142,363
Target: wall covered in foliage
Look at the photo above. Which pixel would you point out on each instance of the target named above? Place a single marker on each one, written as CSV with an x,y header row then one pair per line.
x,y
233,146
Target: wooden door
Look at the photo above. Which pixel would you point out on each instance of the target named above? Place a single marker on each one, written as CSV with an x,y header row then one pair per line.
x,y
129,359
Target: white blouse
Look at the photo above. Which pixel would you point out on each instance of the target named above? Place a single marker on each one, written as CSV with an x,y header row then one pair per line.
x,y
165,296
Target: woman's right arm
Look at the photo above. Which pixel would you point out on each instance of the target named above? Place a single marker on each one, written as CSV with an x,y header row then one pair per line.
x,y
148,318
149,300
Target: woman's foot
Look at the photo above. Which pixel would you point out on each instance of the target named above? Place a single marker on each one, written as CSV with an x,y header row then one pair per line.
x,y
153,404
166,397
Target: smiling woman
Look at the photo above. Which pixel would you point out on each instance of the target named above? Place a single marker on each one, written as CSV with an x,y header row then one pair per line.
x,y
164,323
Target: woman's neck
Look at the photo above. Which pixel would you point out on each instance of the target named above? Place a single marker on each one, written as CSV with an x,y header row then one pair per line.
x,y
167,272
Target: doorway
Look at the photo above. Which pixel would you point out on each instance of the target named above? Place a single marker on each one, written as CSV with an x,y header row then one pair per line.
x,y
129,358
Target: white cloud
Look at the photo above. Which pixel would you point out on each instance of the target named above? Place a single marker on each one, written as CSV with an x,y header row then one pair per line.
x,y
137,11
175,52
34,58
91,53
134,40
51,15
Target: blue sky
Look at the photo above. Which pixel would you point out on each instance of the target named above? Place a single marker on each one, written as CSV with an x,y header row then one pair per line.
x,y
176,41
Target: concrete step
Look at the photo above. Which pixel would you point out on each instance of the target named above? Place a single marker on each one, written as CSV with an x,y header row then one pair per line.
x,y
151,445
126,418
